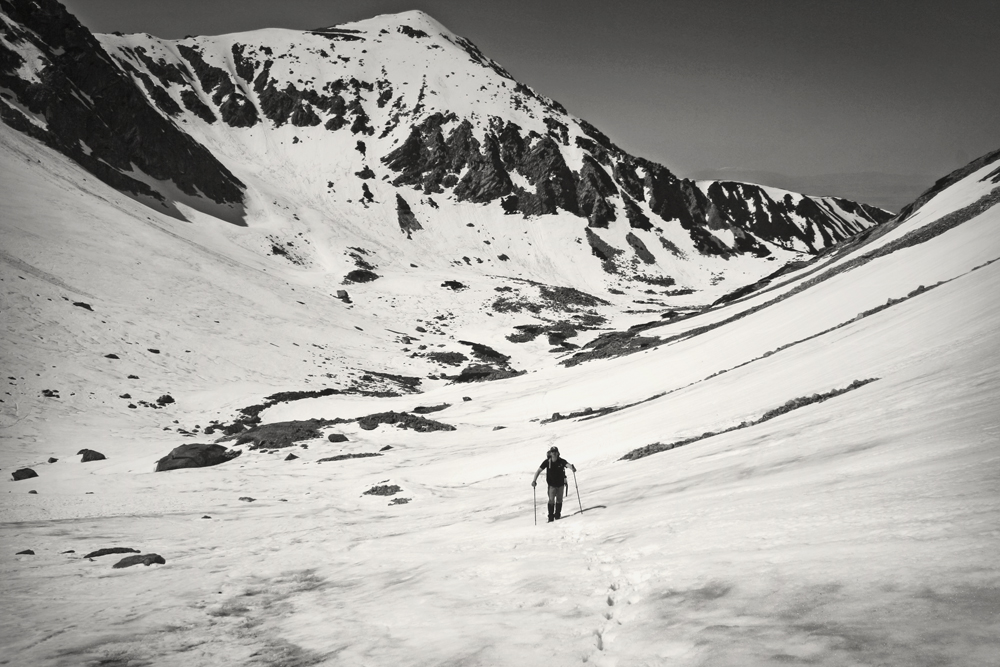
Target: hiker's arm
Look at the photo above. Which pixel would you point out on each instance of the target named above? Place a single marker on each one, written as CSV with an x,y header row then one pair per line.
x,y
537,473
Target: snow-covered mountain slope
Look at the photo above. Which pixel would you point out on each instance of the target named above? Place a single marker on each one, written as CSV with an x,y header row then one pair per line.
x,y
399,137
856,530
843,513
59,86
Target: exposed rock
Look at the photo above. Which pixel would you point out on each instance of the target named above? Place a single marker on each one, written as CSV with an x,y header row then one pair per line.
x,y
33,492
90,455
383,490
402,420
81,304
166,399
345,457
641,251
484,373
386,448
448,358
195,456
247,499
52,459
361,276
291,457
279,435
399,501
111,550
407,221
603,251
111,356
144,559
337,437
26,552
592,190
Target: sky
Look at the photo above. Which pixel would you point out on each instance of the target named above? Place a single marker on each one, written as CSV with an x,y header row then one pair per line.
x,y
870,100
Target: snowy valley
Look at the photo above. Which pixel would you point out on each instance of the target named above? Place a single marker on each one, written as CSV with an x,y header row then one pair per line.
x,y
782,407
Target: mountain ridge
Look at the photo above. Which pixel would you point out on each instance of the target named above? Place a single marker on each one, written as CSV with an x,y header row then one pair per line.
x,y
399,109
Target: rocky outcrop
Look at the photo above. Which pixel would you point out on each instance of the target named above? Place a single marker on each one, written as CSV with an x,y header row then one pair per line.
x,y
23,473
407,221
383,490
144,559
195,456
434,159
402,420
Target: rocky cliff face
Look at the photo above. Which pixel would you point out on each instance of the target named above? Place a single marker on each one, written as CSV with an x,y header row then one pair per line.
x,y
394,118
61,87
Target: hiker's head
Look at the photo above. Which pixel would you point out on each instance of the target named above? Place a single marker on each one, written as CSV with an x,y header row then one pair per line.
x,y
553,453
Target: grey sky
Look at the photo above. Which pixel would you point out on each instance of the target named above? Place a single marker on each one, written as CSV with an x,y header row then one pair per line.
x,y
869,99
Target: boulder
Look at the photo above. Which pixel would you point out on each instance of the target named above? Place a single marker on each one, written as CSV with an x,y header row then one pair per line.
x,y
23,473
144,559
26,552
90,455
337,437
195,456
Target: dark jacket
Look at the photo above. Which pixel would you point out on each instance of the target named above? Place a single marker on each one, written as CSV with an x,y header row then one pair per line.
x,y
555,471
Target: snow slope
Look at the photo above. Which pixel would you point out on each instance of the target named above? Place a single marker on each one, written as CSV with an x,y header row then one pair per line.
x,y
859,530
856,530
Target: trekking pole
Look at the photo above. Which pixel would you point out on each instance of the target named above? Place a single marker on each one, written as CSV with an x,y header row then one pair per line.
x,y
577,492
534,501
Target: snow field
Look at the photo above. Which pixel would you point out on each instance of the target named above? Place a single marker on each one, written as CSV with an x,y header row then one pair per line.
x,y
859,530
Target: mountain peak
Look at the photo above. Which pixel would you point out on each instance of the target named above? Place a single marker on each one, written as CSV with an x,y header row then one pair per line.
x,y
414,23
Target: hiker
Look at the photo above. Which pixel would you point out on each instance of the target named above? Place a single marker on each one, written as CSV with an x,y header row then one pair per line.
x,y
555,475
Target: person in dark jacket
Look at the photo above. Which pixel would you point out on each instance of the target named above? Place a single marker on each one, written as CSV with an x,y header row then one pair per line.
x,y
555,474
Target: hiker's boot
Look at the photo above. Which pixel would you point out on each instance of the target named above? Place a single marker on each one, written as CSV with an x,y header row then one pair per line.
x,y
558,510
552,511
